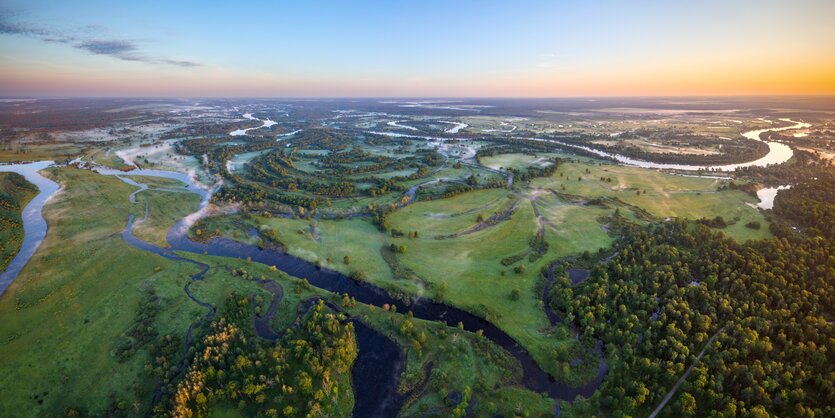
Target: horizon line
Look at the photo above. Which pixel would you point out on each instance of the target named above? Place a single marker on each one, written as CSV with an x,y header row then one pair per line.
x,y
764,95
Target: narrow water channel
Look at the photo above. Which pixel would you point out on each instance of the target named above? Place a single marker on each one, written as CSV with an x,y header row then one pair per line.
x,y
34,225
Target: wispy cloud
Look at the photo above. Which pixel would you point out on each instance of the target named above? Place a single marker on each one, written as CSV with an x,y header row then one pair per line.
x,y
122,49
549,60
181,63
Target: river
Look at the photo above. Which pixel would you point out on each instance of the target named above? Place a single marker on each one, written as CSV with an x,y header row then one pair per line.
x,y
266,123
534,378
367,388
767,195
777,153
34,225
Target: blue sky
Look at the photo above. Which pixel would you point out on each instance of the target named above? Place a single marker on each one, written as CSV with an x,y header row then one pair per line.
x,y
422,48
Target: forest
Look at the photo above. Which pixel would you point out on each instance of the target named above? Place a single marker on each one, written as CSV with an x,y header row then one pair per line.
x,y
305,373
761,310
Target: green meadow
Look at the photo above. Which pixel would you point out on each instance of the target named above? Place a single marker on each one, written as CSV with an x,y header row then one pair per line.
x,y
662,195
74,300
66,314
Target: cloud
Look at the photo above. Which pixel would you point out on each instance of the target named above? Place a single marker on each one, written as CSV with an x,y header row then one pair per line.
x,y
122,50
550,60
125,50
181,63
115,48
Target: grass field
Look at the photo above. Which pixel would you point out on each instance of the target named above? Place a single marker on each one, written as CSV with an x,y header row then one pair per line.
x,y
104,156
15,193
519,161
165,208
71,301
37,151
472,261
571,229
469,267
662,195
451,256
442,217
461,263
65,312
157,182
329,241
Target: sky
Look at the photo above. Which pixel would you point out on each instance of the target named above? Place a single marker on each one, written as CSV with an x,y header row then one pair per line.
x,y
416,48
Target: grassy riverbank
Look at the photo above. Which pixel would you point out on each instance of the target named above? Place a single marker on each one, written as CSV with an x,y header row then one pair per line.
x,y
15,193
464,242
165,208
440,360
82,308
75,299
453,254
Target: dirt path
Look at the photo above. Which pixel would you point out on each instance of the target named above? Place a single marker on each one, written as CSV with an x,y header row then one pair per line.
x,y
681,380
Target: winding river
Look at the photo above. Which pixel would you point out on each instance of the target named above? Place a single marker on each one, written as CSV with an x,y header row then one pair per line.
x,y
377,365
266,123
34,225
777,153
367,388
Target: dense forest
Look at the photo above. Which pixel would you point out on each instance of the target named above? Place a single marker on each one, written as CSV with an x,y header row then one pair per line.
x,y
305,373
762,311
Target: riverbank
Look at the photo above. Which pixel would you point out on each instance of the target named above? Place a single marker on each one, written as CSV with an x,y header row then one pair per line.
x,y
15,194
34,224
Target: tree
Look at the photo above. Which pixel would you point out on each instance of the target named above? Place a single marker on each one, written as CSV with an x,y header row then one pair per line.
x,y
461,409
688,404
